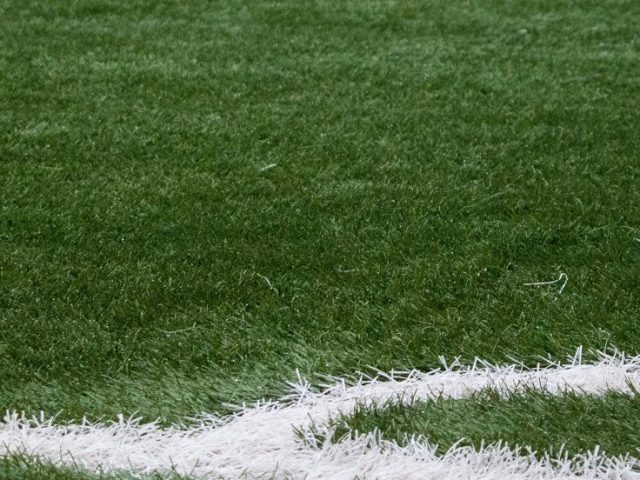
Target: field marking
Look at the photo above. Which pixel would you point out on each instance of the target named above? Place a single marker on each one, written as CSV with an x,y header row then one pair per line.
x,y
261,440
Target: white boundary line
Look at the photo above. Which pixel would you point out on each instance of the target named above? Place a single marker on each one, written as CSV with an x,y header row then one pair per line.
x,y
261,440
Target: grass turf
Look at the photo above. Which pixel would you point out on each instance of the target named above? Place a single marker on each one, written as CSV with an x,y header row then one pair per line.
x,y
544,423
26,468
198,198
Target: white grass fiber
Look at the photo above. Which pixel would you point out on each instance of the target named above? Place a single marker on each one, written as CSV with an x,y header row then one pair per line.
x,y
260,441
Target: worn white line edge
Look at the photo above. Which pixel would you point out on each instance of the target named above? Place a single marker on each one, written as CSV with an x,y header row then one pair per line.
x,y
260,441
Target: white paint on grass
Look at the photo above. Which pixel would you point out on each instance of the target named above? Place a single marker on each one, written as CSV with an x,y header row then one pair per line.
x,y
261,440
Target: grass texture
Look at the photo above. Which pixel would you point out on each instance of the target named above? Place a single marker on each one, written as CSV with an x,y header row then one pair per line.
x,y
570,423
25,468
198,198
281,439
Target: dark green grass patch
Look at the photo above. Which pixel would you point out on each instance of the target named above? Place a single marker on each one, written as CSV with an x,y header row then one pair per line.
x,y
570,423
197,198
25,468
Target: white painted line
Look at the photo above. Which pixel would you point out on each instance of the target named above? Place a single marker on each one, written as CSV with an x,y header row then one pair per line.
x,y
261,440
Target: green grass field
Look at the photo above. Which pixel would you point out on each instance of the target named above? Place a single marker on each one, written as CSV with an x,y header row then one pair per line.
x,y
537,420
198,198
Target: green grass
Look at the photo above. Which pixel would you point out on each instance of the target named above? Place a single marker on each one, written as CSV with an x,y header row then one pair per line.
x,y
430,158
25,468
570,423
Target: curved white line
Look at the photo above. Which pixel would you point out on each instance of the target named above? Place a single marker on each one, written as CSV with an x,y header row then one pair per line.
x,y
261,440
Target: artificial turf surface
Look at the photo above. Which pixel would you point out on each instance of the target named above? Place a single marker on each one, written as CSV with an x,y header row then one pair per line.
x,y
197,198
25,468
534,421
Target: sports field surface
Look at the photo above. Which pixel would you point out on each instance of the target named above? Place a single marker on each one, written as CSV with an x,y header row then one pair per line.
x,y
319,239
